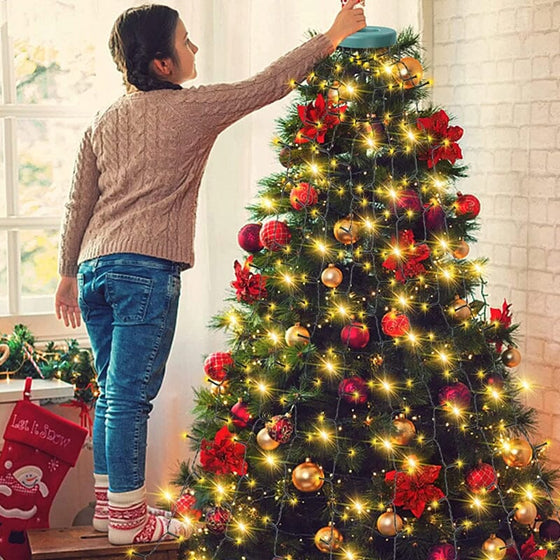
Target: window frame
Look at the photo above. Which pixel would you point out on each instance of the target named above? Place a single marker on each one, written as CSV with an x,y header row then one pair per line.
x,y
44,326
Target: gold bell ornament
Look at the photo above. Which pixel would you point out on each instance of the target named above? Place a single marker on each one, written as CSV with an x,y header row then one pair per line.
x,y
297,335
511,357
461,250
265,442
494,548
517,453
460,309
308,477
389,523
408,71
331,276
346,230
328,539
405,430
525,512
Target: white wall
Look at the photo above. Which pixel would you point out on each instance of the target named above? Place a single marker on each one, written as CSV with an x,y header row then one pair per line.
x,y
495,66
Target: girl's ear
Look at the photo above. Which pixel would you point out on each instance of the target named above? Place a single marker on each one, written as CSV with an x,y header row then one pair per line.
x,y
162,67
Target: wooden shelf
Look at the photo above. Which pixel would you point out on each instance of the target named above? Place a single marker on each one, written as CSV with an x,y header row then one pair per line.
x,y
11,390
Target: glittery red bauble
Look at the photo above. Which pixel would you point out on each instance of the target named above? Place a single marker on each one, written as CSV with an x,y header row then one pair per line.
x,y
302,196
185,506
353,390
467,205
395,324
549,530
248,238
241,416
457,394
355,335
280,428
275,235
217,519
443,551
434,218
482,478
408,200
216,364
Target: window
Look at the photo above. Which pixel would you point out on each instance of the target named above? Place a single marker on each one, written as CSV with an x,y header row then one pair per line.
x,y
55,73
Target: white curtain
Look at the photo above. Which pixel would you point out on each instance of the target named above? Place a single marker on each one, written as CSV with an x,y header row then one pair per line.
x,y
236,38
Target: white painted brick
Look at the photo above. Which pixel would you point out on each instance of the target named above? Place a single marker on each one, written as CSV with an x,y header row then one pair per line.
x,y
522,69
539,89
540,112
519,257
524,17
535,348
520,160
540,282
556,15
553,164
506,21
538,161
541,186
553,261
537,257
554,211
540,67
502,160
552,353
542,19
553,304
520,207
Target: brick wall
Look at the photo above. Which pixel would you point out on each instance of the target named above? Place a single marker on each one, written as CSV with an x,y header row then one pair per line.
x,y
496,69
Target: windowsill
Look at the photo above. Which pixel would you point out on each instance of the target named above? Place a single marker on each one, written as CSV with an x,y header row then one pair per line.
x,y
11,390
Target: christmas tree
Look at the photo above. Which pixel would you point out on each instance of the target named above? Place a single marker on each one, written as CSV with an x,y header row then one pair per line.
x,y
367,406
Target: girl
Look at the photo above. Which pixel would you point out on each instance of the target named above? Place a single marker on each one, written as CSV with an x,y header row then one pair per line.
x,y
129,228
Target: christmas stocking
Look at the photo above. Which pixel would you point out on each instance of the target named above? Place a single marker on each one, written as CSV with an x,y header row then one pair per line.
x,y
39,448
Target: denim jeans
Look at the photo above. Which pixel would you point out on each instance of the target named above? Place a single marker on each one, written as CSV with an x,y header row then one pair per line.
x,y
129,305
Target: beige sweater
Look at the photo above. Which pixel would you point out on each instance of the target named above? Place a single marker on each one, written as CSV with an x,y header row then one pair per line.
x,y
140,163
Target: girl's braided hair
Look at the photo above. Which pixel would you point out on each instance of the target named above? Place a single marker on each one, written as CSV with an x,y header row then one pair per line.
x,y
140,35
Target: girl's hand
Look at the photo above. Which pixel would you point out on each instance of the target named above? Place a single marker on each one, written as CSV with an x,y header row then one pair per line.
x,y
348,21
66,301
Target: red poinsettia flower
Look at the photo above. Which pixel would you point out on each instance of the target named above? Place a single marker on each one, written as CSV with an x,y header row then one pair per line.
x,y
504,317
407,256
223,455
414,491
529,551
318,117
248,286
443,139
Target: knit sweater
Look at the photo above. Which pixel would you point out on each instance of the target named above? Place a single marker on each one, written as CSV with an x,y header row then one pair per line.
x,y
140,163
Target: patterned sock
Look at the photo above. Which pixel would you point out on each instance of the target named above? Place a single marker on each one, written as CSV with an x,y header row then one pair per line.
x,y
130,522
101,514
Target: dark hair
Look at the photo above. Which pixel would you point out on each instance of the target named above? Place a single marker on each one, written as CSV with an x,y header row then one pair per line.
x,y
139,36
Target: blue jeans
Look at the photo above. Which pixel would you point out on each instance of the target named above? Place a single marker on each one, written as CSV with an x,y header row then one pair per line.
x,y
129,305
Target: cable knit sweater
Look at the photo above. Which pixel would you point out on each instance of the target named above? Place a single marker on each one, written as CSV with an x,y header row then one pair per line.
x,y
140,163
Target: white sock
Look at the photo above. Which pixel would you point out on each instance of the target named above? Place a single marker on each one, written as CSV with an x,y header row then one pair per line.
x,y
130,521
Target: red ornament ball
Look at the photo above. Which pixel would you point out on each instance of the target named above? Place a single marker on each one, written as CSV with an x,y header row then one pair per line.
x,y
482,478
408,199
216,364
249,238
443,551
549,530
355,335
496,381
353,390
184,506
467,206
303,196
280,428
434,218
457,394
275,235
217,518
241,417
395,324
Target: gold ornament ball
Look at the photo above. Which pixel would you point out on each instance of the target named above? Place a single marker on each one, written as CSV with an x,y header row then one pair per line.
x,y
389,523
331,276
462,250
265,441
408,71
297,335
518,454
405,429
494,548
346,231
308,477
328,539
460,309
219,388
525,512
511,357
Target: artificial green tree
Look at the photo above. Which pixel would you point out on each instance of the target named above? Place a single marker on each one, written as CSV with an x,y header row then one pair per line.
x,y
367,406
